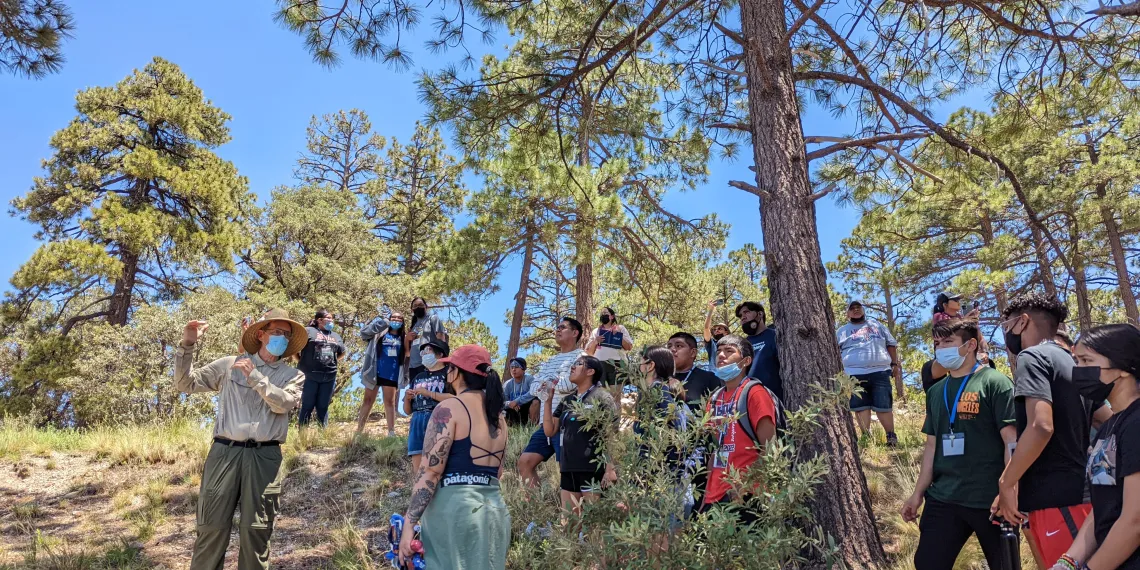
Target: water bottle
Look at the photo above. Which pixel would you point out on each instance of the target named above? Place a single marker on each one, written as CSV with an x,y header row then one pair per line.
x,y
1010,546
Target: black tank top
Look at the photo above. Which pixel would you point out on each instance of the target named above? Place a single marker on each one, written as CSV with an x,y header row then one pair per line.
x,y
461,468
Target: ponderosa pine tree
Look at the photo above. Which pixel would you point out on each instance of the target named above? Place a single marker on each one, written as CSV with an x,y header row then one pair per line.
x,y
135,204
31,36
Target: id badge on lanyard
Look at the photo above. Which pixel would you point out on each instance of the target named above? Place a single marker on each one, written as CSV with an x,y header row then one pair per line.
x,y
720,459
954,444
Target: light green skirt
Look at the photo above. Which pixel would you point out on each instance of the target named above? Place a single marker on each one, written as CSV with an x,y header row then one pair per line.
x,y
466,527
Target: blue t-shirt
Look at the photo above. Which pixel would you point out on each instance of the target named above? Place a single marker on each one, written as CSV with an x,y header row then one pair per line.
x,y
390,352
765,361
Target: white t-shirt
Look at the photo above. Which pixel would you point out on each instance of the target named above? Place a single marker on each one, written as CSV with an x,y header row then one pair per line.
x,y
610,343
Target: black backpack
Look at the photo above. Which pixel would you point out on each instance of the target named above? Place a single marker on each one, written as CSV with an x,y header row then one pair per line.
x,y
743,418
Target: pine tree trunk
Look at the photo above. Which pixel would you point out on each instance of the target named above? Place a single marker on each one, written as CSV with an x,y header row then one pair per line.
x,y
1081,289
800,302
584,243
119,310
1119,262
1044,268
520,298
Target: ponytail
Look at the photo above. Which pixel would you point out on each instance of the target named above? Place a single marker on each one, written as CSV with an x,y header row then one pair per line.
x,y
493,398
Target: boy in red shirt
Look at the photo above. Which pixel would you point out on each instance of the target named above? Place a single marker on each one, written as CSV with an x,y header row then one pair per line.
x,y
737,449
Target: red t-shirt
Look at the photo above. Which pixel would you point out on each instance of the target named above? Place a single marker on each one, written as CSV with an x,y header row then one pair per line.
x,y
736,444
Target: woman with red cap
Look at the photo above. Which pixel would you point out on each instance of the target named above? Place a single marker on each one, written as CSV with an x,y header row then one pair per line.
x,y
456,496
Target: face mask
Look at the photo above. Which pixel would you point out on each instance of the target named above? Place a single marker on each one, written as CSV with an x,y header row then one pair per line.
x,y
1013,340
428,358
750,327
277,345
605,319
328,327
718,336
419,312
1087,381
728,371
949,357
395,325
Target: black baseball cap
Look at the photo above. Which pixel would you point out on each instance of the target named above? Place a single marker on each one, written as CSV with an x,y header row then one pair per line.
x,y
437,344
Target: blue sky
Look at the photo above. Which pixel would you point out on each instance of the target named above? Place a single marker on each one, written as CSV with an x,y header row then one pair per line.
x,y
260,74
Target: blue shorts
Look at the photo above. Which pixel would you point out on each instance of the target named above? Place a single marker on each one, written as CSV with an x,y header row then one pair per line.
x,y
547,447
416,431
873,392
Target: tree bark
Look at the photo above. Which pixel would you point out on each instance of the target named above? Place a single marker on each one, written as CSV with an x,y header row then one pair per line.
x,y
584,242
521,296
119,310
1081,289
800,302
1044,267
1119,261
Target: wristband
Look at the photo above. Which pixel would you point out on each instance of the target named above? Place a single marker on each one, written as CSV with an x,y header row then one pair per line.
x,y
1068,561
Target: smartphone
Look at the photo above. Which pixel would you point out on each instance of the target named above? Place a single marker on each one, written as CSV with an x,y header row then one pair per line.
x,y
718,302
246,321
977,304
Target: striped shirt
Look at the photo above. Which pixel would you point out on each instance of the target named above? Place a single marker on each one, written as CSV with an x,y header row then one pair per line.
x,y
557,370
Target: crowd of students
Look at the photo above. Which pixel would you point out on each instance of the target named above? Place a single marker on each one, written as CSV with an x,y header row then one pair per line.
x,y
996,450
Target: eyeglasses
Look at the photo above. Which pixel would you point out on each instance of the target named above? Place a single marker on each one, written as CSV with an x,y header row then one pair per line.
x,y
577,364
280,332
562,327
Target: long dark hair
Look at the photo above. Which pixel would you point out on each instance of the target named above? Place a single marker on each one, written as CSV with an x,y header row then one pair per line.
x,y
416,319
662,359
940,303
320,314
595,365
1120,344
492,387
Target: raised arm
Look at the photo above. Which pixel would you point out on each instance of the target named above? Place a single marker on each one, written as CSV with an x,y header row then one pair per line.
x,y
206,379
373,328
708,320
549,422
282,399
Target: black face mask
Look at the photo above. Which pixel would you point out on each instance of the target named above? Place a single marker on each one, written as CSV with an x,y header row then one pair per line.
x,y
1087,381
750,327
1013,340
718,336
605,319
859,320
419,312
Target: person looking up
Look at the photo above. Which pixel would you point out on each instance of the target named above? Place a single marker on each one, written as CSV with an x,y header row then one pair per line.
x,y
319,361
969,426
766,361
580,458
383,360
608,344
424,393
554,373
713,333
517,391
1108,364
257,391
696,382
425,326
1046,476
870,355
456,496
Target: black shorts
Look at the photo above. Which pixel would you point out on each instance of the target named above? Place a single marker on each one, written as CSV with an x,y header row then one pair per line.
x,y
385,383
581,481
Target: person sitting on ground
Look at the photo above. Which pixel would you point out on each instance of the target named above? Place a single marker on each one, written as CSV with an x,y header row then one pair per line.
x,y
713,333
580,458
1108,365
1046,477
696,382
969,424
383,361
319,361
424,393
766,361
608,344
746,415
256,393
517,391
555,372
870,356
456,495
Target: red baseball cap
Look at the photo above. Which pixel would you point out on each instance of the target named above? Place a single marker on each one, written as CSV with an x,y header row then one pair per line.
x,y
468,358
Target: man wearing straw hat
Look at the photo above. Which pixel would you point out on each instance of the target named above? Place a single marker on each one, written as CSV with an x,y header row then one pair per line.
x,y
256,392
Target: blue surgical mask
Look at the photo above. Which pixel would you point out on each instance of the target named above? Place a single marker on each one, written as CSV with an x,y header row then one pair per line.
x,y
949,357
428,358
277,345
395,325
728,371
328,327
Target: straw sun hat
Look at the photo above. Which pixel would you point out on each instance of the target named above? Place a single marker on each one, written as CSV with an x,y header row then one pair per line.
x,y
297,341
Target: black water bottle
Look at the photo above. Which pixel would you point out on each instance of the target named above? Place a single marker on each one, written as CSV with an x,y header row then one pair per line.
x,y
1010,547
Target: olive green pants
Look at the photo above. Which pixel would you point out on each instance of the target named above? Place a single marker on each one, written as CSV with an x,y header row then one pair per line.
x,y
245,478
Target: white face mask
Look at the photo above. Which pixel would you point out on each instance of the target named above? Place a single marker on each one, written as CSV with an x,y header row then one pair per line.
x,y
428,358
950,357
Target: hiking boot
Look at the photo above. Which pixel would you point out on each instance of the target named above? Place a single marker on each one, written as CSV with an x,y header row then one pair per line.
x,y
892,439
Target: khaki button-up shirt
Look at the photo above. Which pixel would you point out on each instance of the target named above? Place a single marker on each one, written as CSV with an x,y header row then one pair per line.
x,y
254,408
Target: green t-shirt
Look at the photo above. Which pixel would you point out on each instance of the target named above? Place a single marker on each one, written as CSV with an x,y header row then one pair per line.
x,y
986,406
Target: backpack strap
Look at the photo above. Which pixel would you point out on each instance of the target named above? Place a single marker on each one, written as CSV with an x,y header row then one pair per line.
x,y
745,419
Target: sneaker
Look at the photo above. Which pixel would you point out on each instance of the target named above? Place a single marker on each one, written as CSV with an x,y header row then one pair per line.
x,y
892,440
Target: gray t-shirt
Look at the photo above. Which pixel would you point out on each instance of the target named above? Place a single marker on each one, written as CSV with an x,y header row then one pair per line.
x,y
864,347
425,329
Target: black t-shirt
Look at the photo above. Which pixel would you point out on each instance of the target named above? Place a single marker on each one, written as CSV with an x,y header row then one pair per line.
x,y
927,374
699,383
580,448
766,362
1057,478
1115,455
319,357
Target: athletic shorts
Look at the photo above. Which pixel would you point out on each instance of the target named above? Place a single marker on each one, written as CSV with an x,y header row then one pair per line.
x,y
873,392
386,383
1051,531
581,481
547,447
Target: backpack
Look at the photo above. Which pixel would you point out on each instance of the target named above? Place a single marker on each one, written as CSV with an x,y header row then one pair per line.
x,y
744,419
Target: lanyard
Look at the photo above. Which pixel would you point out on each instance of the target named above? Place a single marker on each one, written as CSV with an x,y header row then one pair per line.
x,y
686,378
581,399
946,398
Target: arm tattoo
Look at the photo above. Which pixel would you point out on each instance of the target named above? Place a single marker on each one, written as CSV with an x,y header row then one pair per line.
x,y
437,444
437,425
420,500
